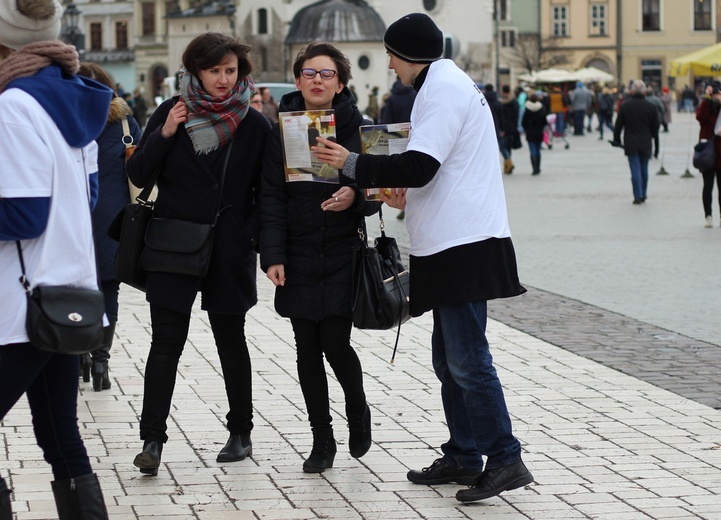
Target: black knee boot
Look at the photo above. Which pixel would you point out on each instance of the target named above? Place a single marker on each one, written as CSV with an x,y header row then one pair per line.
x,y
323,452
6,512
100,357
79,498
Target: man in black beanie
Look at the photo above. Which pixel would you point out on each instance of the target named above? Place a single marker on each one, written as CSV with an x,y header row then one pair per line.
x,y
457,222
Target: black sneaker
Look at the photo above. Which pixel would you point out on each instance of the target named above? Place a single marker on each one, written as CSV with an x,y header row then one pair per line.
x,y
493,482
443,472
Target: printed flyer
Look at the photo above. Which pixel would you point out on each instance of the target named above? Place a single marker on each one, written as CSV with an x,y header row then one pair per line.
x,y
388,139
298,131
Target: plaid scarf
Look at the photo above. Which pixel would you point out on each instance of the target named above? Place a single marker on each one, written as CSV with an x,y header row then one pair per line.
x,y
212,121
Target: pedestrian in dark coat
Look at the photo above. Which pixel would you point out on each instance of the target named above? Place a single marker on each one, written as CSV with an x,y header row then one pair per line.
x,y
638,120
534,123
308,233
188,139
397,108
706,114
113,196
508,126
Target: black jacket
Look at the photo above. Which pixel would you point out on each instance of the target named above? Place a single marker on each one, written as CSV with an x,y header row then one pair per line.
x,y
188,189
397,108
534,121
315,246
113,194
638,120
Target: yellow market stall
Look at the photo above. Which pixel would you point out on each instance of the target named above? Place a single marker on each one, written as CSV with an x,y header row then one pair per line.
x,y
702,63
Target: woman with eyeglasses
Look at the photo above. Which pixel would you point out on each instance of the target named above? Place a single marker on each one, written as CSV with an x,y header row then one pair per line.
x,y
308,231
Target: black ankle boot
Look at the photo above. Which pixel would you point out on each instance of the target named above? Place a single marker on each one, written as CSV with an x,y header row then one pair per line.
x,y
100,357
6,512
359,428
148,460
79,498
237,448
101,376
323,452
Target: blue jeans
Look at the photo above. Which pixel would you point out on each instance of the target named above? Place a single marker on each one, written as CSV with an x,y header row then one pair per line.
x,y
51,384
504,144
471,392
639,174
534,147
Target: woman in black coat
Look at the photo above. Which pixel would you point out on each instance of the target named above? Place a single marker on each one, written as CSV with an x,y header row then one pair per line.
x,y
307,236
188,139
534,124
113,196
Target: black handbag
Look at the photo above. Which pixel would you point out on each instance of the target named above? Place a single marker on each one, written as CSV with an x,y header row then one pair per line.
x,y
380,290
177,246
180,246
704,156
62,319
128,228
516,142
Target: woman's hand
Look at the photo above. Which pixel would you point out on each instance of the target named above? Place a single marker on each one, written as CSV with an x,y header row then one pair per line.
x,y
330,153
396,199
340,200
276,274
177,116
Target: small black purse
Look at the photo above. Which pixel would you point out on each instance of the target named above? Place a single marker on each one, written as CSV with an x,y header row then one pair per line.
x,y
180,246
704,156
380,290
62,319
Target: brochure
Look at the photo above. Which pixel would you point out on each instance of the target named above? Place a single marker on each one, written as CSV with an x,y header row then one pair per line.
x,y
388,139
298,131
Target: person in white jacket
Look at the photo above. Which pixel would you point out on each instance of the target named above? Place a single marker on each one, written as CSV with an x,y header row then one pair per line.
x,y
49,119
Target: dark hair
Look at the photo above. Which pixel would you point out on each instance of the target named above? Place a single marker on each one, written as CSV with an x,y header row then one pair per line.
x,y
533,98
96,72
506,89
315,49
209,49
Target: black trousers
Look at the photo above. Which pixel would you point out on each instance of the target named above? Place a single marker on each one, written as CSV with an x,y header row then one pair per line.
x,y
707,193
51,384
329,337
170,332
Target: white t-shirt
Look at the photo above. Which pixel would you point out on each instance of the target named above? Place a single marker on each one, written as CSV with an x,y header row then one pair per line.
x,y
37,162
465,202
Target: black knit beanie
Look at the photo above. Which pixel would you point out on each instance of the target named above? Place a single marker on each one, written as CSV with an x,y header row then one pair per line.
x,y
415,38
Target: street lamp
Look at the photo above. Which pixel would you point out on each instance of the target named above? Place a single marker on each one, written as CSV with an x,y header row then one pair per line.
x,y
72,34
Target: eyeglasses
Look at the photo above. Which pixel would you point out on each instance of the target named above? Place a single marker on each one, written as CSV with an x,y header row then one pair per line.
x,y
324,74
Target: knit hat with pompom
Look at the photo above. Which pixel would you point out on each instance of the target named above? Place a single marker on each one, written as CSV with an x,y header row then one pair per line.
x,y
28,21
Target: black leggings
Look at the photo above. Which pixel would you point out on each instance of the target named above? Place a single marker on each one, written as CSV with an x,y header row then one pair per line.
x,y
329,337
170,331
707,193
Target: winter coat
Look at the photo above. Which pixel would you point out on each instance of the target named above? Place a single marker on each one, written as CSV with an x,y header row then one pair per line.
x,y
188,189
509,123
315,246
496,109
398,106
706,114
534,121
638,119
113,193
581,98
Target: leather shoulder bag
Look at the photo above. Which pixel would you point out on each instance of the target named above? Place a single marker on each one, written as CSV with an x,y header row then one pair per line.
x,y
180,246
380,290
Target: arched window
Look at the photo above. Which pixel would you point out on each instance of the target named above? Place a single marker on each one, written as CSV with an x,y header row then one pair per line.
x,y
262,21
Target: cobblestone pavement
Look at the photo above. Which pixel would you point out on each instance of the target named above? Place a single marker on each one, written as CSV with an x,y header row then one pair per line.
x,y
609,282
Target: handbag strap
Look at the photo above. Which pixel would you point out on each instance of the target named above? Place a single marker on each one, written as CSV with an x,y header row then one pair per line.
x,y
23,279
127,138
